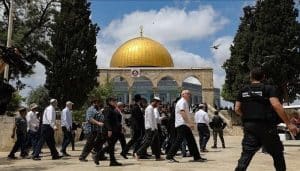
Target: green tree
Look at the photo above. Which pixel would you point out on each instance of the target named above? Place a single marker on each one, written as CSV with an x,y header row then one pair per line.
x,y
74,71
102,92
15,102
273,43
40,96
31,23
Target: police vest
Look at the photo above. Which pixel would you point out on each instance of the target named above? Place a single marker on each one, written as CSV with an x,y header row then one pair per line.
x,y
256,105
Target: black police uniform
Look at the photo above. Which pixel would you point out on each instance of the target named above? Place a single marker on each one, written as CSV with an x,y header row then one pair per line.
x,y
259,124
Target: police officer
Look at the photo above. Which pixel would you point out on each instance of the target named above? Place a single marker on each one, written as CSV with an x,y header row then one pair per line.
x,y
255,104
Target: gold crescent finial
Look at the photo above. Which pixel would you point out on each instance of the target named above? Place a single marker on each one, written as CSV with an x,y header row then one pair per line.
x,y
141,30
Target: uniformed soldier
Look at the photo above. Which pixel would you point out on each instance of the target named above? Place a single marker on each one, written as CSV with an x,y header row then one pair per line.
x,y
255,104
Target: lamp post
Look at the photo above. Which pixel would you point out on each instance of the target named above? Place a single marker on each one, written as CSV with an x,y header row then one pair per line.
x,y
9,36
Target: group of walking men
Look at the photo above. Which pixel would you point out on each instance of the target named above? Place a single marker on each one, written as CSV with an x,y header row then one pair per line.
x,y
33,131
257,104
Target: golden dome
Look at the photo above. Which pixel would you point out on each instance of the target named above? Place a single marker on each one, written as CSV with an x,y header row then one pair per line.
x,y
141,52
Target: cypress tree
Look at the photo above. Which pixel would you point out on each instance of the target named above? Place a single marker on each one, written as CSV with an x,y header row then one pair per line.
x,y
274,45
74,71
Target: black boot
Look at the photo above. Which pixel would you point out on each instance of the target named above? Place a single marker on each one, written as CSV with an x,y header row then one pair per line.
x,y
115,163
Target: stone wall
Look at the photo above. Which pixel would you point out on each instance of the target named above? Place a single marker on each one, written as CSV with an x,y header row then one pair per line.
x,y
6,127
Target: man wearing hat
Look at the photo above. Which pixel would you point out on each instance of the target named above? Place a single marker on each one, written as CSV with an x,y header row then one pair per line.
x,y
66,125
202,121
20,128
47,132
151,137
33,124
137,126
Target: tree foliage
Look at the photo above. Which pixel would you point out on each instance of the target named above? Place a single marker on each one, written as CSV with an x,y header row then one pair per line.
x,y
102,92
269,37
74,71
40,96
15,102
32,19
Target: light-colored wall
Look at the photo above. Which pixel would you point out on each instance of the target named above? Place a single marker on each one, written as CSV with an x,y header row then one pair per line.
x,y
6,127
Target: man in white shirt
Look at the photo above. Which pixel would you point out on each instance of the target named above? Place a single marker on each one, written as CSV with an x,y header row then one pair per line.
x,y
183,125
47,132
151,136
33,124
66,125
202,121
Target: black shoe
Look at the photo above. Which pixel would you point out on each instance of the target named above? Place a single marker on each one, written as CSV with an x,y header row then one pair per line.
x,y
56,157
96,160
214,146
123,155
223,146
66,154
83,160
172,160
115,163
36,158
199,160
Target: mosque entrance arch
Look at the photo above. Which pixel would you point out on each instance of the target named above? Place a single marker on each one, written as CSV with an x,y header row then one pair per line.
x,y
167,89
193,84
143,86
120,89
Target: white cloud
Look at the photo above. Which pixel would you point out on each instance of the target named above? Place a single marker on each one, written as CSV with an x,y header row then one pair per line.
x,y
167,24
34,80
223,52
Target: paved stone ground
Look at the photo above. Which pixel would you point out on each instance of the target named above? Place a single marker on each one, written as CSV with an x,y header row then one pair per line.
x,y
218,159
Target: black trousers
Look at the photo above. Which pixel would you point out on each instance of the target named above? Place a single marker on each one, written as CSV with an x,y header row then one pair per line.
x,y
151,139
99,142
257,135
47,135
184,131
19,144
122,141
73,139
32,140
89,145
111,145
136,138
203,135
219,131
66,140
